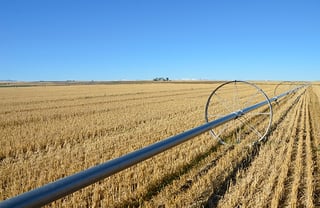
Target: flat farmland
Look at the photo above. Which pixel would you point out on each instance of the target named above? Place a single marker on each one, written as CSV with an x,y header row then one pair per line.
x,y
49,132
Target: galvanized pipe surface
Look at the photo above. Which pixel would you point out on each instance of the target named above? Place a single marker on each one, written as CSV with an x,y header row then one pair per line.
x,y
65,186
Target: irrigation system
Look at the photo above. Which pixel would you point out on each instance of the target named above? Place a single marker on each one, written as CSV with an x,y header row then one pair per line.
x,y
238,109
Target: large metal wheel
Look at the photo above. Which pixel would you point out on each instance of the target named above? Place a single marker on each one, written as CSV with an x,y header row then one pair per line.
x,y
283,86
232,97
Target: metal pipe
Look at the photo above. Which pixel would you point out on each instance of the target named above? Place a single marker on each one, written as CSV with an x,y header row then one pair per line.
x,y
65,186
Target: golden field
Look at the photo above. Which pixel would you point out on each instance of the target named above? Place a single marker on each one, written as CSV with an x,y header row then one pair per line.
x,y
49,132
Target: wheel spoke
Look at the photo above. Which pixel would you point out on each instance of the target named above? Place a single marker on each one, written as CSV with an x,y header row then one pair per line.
x,y
237,97
222,130
246,122
252,97
223,102
224,105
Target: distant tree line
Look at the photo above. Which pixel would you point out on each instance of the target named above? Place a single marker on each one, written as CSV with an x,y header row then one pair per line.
x,y
161,79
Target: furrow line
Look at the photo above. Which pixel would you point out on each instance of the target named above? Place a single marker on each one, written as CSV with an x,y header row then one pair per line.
x,y
279,191
315,142
253,182
275,151
309,173
231,179
296,194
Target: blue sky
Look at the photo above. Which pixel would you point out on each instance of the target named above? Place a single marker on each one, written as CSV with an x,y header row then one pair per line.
x,y
144,39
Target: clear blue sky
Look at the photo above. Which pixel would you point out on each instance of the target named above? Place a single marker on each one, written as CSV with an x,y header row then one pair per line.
x,y
144,39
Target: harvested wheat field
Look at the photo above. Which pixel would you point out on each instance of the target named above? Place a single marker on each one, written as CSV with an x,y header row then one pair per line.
x,y
49,132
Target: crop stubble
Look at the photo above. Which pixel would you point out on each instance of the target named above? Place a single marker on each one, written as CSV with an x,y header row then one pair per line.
x,y
51,132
